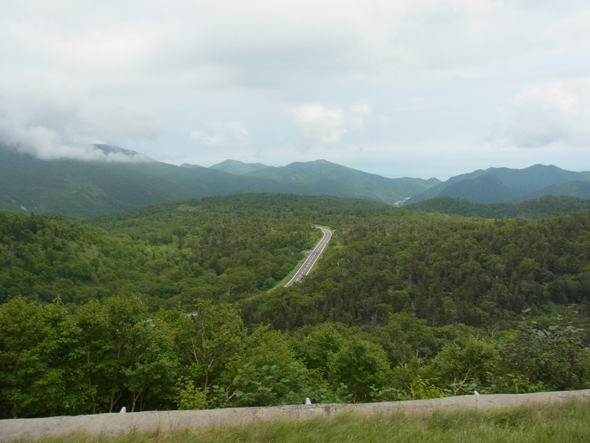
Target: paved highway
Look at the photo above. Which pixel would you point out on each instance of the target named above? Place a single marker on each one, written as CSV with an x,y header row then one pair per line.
x,y
313,256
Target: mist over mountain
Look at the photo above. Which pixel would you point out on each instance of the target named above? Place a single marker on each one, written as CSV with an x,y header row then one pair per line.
x,y
77,187
117,154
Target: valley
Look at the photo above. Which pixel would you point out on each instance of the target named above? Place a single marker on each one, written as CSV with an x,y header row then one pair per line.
x,y
402,305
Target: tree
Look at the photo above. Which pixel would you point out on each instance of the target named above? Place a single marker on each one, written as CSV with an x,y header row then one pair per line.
x,y
361,366
265,372
406,337
40,361
106,333
461,367
207,339
555,357
151,363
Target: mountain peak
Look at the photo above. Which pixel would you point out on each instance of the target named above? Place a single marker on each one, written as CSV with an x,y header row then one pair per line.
x,y
117,154
237,167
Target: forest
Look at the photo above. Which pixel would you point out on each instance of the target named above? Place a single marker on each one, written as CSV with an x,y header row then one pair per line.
x,y
181,306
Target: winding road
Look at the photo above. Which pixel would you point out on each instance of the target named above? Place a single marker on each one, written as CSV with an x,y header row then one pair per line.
x,y
313,256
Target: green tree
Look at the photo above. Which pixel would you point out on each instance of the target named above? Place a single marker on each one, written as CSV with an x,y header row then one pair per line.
x,y
406,337
265,372
106,331
556,357
207,339
465,366
151,363
362,367
40,361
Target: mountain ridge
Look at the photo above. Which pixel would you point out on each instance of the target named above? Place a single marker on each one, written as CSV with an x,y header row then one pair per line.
x,y
237,167
78,188
126,179
506,185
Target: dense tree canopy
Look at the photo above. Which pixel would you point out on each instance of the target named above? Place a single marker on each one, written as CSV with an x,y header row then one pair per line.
x,y
181,306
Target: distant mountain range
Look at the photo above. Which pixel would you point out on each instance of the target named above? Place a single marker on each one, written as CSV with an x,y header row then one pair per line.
x,y
83,188
504,185
129,179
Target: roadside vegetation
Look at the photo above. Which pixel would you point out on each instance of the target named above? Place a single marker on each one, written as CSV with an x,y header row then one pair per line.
x,y
408,306
554,423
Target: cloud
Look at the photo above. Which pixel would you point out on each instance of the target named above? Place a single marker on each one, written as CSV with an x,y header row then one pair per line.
x,y
28,134
545,114
317,123
225,134
67,128
47,144
320,124
140,73
109,118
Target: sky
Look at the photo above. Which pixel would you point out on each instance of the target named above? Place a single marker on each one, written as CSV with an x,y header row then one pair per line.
x,y
418,88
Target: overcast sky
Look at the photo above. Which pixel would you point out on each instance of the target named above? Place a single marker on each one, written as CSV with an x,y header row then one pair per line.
x,y
416,88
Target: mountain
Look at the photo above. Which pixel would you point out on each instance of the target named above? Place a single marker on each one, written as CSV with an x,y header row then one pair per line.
x,y
76,187
237,167
482,189
495,185
83,188
572,187
127,180
322,177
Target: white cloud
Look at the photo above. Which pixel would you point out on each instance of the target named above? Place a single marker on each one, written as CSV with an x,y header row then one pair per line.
x,y
51,126
320,124
317,123
547,113
226,134
47,144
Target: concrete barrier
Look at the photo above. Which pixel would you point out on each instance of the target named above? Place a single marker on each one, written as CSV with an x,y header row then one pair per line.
x,y
176,421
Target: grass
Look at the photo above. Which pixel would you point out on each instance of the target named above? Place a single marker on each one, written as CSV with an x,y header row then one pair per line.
x,y
550,423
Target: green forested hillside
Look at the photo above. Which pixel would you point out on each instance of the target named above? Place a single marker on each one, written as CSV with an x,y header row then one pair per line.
x,y
443,269
402,305
535,208
169,254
